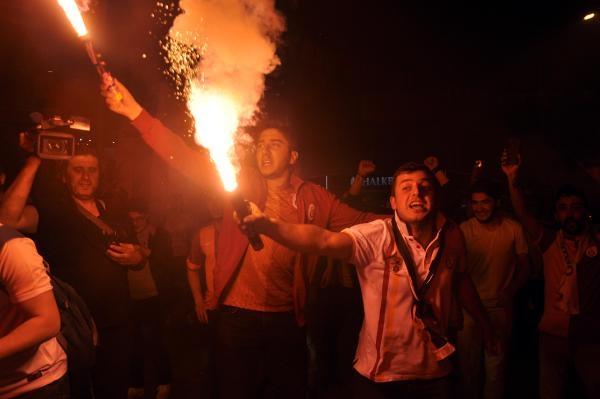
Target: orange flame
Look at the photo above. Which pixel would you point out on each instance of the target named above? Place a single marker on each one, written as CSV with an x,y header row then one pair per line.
x,y
74,15
216,119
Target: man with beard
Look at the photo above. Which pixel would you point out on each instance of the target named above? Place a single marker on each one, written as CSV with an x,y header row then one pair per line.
x,y
411,273
570,325
497,263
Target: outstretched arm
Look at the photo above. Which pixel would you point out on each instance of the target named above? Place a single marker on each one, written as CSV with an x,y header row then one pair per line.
x,y
300,237
195,163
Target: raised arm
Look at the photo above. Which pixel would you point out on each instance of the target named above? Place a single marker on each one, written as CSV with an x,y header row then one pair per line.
x,y
14,211
529,222
195,163
300,237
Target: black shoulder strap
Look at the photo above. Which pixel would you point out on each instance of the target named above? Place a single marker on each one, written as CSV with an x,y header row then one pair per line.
x,y
420,291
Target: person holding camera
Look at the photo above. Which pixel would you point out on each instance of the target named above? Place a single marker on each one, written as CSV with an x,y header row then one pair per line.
x,y
411,272
85,241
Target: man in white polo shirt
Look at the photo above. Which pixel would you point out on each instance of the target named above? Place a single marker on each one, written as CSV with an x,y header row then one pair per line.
x,y
411,273
32,363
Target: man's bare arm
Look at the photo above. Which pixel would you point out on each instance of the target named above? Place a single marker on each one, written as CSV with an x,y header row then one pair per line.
x,y
42,322
13,209
301,237
528,221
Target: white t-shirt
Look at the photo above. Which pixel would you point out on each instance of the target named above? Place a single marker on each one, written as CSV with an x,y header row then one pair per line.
x,y
403,350
23,277
491,255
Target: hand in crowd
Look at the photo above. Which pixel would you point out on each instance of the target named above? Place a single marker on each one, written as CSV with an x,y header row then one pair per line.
x,y
365,168
431,162
511,170
125,254
118,98
201,313
27,142
256,222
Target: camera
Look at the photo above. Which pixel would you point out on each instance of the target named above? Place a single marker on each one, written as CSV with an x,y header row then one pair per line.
x,y
57,138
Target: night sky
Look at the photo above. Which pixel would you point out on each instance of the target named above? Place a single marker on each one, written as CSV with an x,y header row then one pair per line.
x,y
387,80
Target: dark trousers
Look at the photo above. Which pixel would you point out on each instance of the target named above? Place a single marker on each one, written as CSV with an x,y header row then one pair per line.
x,y
439,388
558,355
150,365
260,355
58,389
333,325
110,376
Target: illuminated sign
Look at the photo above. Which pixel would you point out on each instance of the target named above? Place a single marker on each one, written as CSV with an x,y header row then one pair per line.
x,y
375,181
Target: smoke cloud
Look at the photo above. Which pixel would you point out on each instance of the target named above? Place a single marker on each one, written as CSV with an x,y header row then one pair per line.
x,y
237,42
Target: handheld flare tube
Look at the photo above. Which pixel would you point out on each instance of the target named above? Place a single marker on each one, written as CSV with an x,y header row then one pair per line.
x,y
242,208
100,65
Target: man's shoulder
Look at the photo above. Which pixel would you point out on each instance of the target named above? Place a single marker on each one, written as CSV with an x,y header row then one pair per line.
x,y
467,224
316,189
378,226
511,223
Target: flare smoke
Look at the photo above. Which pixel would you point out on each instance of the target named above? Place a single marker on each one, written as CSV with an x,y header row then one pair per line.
x,y
237,42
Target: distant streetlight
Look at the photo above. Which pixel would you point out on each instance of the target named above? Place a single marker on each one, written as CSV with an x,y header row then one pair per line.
x,y
589,16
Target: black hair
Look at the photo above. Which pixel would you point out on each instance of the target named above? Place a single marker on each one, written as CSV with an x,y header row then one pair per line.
x,y
281,125
485,186
568,190
411,167
137,205
81,151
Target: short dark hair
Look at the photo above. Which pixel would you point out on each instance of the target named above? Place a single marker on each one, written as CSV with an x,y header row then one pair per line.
x,y
568,190
283,126
411,167
80,151
137,205
485,186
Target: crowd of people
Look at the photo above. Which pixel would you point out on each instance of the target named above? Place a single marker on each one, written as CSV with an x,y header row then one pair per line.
x,y
339,302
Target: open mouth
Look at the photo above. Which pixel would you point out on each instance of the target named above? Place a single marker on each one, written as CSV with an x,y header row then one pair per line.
x,y
418,206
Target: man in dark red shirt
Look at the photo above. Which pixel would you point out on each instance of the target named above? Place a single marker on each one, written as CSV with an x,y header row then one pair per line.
x,y
261,349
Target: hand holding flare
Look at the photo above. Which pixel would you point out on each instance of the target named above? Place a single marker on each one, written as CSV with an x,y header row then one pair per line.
x,y
118,98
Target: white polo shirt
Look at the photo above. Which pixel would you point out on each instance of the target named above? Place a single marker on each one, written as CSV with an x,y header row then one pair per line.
x,y
392,345
23,277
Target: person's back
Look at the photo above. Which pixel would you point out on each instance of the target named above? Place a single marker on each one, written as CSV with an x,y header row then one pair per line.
x,y
26,295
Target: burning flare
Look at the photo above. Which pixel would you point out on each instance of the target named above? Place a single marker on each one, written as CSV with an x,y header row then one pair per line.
x,y
236,41
73,13
216,122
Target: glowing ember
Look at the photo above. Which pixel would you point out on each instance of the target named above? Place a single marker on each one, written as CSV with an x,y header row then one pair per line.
x,y
216,121
74,15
